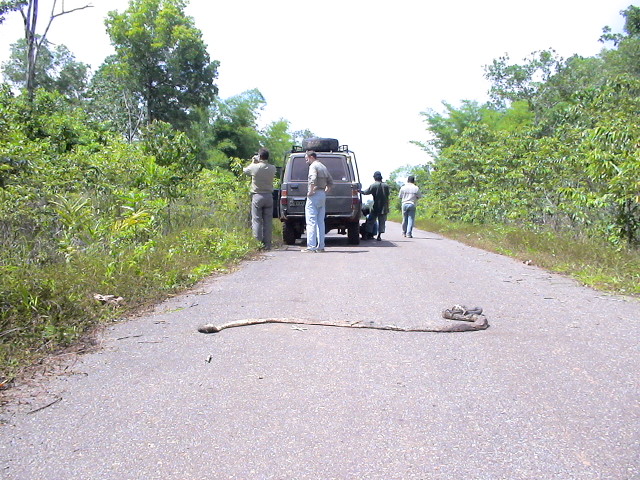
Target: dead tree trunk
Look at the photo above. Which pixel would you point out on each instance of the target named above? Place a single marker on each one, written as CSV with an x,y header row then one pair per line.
x,y
34,41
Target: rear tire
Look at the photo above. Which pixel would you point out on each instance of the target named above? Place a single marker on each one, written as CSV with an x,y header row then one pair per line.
x,y
353,233
288,234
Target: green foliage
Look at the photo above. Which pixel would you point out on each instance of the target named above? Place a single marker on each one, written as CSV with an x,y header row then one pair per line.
x,y
163,59
234,136
558,147
7,6
278,140
113,101
631,27
169,147
512,82
55,70
85,213
235,126
448,126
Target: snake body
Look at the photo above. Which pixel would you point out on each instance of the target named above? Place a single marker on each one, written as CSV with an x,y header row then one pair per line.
x,y
465,322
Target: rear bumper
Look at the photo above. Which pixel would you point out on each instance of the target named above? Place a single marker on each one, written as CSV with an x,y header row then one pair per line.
x,y
330,220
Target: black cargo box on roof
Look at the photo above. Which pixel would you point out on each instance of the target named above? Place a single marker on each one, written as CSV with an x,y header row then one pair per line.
x,y
319,144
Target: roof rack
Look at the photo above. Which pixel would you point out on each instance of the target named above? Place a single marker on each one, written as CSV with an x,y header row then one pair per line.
x,y
298,149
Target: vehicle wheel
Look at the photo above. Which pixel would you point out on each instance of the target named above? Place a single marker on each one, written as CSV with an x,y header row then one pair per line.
x,y
353,233
288,234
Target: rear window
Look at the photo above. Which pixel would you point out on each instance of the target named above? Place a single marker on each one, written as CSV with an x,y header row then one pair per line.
x,y
336,165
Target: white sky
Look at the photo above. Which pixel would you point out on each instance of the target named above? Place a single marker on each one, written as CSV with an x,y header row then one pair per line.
x,y
359,71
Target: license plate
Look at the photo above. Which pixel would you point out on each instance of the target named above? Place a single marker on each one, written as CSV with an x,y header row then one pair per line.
x,y
296,202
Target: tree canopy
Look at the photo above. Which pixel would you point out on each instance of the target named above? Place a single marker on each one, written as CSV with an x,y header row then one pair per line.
x,y
56,70
162,57
556,145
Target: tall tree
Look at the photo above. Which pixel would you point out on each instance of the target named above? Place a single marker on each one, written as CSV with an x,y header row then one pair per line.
x,y
235,125
446,128
162,55
55,69
7,6
114,102
625,59
29,10
511,82
631,26
278,140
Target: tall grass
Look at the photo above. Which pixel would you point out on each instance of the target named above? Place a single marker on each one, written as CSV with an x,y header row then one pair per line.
x,y
51,273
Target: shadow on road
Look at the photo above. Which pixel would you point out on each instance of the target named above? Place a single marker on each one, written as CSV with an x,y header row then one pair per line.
x,y
340,244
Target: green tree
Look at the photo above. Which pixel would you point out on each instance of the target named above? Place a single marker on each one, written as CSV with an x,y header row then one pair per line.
x,y
7,6
235,129
625,58
113,101
29,9
162,55
511,82
55,69
446,127
610,154
169,147
278,140
631,26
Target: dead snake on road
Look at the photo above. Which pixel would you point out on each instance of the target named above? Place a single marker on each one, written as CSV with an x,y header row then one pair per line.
x,y
470,319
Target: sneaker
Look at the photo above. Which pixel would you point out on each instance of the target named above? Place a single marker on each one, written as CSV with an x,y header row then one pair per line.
x,y
320,250
409,235
404,234
308,250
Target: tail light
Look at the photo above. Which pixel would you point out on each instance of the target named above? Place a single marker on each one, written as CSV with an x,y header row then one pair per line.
x,y
284,200
355,195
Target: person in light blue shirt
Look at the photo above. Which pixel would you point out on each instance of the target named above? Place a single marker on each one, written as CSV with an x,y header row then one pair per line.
x,y
320,182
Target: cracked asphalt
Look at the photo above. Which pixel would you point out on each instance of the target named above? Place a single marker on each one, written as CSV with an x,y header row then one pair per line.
x,y
549,391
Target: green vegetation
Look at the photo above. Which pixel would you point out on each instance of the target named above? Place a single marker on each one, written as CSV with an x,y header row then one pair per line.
x,y
119,189
556,147
85,213
549,169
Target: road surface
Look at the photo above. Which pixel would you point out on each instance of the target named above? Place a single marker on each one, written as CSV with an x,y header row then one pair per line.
x,y
549,391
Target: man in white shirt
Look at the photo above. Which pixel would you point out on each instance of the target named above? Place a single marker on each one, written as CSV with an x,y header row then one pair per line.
x,y
409,194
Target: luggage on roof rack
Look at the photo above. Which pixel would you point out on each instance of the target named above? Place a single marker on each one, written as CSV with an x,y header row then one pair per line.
x,y
320,144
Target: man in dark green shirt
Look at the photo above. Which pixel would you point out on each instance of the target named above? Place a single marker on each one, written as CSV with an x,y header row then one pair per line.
x,y
380,192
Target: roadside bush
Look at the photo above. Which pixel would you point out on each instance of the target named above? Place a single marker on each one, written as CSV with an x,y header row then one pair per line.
x,y
85,214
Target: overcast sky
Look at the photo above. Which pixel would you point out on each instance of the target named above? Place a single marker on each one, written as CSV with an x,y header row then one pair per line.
x,y
359,71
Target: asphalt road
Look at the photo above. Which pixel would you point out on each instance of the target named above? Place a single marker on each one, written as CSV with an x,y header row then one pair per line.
x,y
549,391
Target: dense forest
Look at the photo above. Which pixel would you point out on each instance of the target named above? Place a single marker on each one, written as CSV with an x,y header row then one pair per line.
x,y
120,186
557,147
